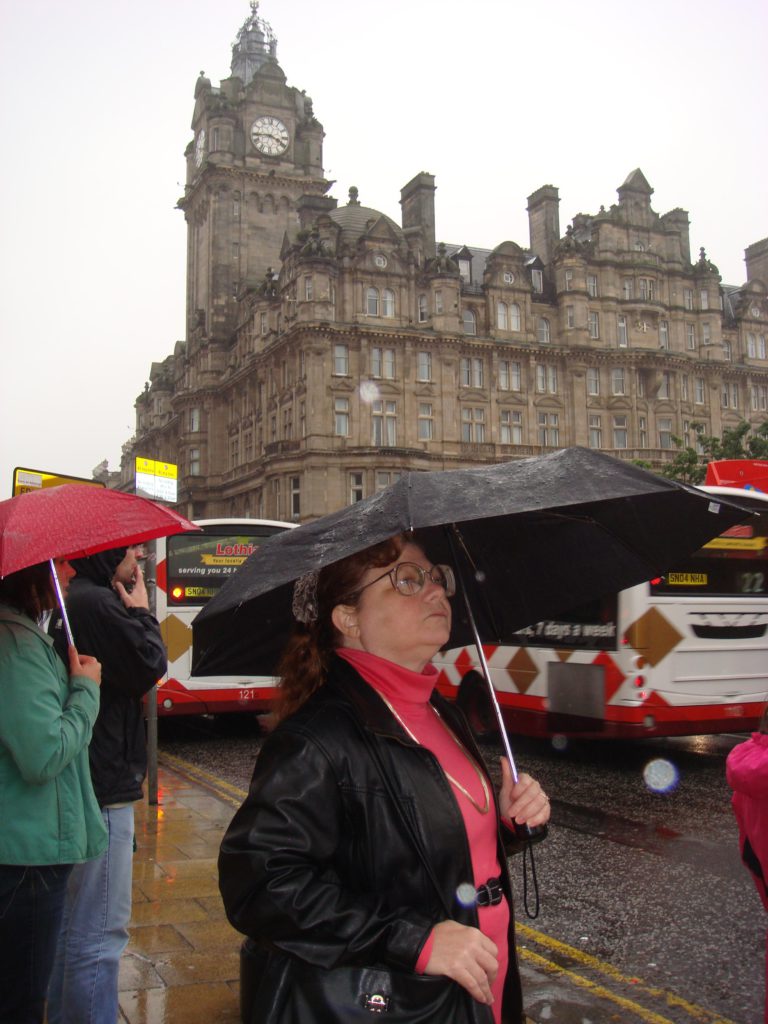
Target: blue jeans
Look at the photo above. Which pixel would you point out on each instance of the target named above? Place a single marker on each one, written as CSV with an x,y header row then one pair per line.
x,y
94,931
31,905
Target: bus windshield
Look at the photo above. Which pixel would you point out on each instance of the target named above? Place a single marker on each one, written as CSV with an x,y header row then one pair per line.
x,y
200,563
733,564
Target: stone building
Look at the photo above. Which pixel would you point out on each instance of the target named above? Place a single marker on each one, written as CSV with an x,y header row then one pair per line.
x,y
329,348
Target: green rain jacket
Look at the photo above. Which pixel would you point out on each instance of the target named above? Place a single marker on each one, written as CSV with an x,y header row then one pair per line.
x,y
48,810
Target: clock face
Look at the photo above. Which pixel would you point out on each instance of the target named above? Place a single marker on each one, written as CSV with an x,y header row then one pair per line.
x,y
200,147
269,135
755,311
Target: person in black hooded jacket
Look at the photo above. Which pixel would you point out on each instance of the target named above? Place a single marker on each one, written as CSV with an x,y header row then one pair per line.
x,y
108,609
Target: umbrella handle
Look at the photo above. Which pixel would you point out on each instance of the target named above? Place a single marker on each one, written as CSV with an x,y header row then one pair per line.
x,y
62,606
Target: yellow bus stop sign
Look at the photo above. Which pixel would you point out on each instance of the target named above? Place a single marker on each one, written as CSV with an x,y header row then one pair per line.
x,y
33,479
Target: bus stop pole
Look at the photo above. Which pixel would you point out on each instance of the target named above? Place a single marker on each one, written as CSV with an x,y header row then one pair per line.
x,y
152,746
151,704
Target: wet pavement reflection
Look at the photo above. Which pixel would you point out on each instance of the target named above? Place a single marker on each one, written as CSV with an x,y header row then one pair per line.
x,y
182,961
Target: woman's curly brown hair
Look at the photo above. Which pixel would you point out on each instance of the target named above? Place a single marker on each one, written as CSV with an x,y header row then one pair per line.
x,y
304,665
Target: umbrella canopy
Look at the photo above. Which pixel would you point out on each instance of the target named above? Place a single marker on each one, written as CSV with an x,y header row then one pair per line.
x,y
530,538
73,520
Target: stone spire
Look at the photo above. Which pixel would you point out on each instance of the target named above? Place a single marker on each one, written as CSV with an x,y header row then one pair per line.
x,y
256,43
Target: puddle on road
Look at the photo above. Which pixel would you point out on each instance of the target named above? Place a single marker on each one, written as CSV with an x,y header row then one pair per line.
x,y
650,838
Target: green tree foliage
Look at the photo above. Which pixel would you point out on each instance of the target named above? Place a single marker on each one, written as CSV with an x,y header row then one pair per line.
x,y
741,442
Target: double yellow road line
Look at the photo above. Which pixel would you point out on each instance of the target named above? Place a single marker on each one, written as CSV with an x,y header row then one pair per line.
x,y
604,982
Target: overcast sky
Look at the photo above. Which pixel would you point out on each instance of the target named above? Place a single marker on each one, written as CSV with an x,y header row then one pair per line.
x,y
494,97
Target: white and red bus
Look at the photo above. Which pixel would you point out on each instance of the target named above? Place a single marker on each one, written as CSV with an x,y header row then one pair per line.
x,y
183,573
683,654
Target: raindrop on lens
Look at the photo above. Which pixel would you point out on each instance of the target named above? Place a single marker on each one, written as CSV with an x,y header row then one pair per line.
x,y
466,894
369,392
660,775
559,742
479,576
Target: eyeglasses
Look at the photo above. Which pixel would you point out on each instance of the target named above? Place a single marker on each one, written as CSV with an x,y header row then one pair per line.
x,y
407,578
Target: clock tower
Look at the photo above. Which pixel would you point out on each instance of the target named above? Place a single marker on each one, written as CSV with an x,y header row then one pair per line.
x,y
256,149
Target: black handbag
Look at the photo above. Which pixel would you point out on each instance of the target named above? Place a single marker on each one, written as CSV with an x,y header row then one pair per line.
x,y
291,991
361,995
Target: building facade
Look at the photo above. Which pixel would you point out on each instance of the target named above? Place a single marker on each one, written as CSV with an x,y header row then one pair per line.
x,y
330,348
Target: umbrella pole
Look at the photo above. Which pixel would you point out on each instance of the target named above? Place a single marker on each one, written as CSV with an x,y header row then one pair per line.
x,y
483,661
535,833
62,606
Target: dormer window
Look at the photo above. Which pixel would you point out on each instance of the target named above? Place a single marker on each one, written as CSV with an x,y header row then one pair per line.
x,y
465,270
537,280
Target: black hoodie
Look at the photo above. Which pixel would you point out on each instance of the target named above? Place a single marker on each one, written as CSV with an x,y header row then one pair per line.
x,y
128,644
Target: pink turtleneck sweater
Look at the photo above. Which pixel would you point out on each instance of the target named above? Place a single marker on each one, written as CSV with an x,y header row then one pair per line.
x,y
408,693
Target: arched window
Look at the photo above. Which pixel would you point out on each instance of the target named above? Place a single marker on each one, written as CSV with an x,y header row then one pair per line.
x,y
372,302
514,317
543,330
501,316
387,302
470,321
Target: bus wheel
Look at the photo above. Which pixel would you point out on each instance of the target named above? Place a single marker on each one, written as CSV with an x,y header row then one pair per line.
x,y
475,701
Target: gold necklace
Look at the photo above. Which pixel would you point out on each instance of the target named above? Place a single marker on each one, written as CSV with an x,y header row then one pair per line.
x,y
486,795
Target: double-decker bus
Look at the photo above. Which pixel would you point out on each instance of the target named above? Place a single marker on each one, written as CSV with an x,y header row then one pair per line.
x,y
683,654
184,571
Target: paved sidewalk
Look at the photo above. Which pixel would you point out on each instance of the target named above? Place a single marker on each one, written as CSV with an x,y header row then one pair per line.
x,y
182,961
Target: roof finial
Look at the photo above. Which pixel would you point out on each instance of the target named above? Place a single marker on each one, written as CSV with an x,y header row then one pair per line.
x,y
353,200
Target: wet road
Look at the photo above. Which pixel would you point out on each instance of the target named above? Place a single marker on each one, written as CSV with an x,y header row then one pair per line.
x,y
645,910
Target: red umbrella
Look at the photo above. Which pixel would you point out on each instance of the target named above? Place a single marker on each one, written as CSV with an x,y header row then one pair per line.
x,y
73,520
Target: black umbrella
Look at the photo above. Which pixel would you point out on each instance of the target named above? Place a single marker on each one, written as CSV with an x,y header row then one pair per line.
x,y
529,539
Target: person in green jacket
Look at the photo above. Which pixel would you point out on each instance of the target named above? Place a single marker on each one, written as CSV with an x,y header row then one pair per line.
x,y
49,813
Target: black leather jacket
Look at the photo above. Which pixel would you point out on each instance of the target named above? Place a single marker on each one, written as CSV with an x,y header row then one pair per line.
x,y
320,863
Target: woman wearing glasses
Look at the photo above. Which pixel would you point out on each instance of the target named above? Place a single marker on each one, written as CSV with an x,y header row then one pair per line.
x,y
367,864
